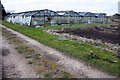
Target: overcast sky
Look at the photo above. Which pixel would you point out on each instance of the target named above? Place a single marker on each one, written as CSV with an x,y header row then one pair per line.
x,y
97,6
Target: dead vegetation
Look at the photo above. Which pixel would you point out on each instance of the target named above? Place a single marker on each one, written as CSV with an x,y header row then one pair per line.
x,y
85,34
105,34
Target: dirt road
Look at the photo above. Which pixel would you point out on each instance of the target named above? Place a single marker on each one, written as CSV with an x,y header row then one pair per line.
x,y
0,55
74,66
14,64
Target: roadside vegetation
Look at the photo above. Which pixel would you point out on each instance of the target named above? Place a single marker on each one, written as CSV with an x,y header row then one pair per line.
x,y
105,60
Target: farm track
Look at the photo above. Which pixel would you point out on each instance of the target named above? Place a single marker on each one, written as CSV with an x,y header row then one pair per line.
x,y
14,64
0,56
74,66
109,34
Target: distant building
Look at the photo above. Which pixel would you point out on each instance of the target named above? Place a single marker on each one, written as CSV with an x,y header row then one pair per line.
x,y
49,17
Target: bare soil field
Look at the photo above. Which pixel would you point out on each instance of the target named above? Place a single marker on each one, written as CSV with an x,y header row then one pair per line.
x,y
109,34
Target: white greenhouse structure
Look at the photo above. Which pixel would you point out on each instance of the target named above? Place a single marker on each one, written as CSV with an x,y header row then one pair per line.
x,y
48,17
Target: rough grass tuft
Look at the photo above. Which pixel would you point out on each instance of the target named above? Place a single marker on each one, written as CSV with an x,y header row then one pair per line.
x,y
30,62
67,75
48,74
24,49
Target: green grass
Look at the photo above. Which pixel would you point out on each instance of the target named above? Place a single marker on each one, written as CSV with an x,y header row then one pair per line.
x,y
28,56
0,75
35,56
11,37
48,74
72,48
24,49
67,75
0,22
59,27
30,62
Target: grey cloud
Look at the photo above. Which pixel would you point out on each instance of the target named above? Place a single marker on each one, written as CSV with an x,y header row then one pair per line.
x,y
106,6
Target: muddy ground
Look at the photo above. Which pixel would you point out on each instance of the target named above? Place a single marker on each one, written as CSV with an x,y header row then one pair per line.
x,y
109,34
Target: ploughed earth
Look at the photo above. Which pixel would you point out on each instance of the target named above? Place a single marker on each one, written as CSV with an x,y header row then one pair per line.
x,y
109,34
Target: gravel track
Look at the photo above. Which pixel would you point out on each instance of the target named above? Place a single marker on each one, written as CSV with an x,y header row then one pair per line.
x,y
14,65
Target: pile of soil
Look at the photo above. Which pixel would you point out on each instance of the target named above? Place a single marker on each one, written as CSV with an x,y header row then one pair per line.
x,y
108,34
